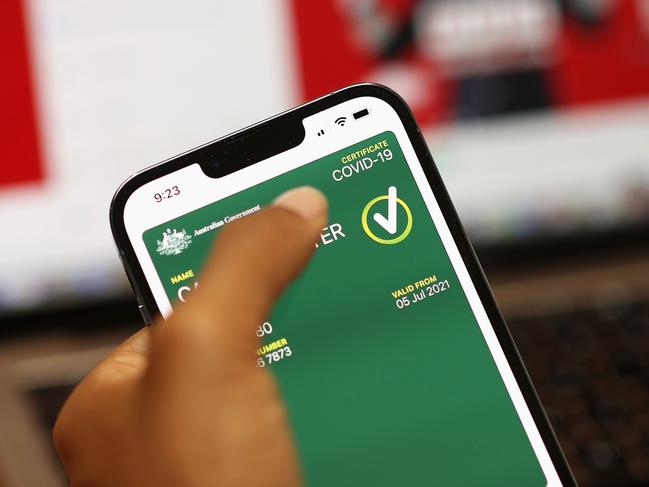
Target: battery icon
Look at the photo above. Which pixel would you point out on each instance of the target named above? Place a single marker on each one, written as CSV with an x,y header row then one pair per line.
x,y
363,113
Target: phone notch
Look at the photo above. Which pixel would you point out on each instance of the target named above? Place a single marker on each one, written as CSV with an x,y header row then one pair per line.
x,y
251,145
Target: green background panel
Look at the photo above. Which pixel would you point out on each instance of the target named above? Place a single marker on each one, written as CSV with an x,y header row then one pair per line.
x,y
377,395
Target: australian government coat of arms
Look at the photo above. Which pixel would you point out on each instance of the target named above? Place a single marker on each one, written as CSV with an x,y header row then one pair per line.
x,y
173,242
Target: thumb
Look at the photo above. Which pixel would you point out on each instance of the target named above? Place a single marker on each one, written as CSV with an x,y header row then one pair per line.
x,y
253,261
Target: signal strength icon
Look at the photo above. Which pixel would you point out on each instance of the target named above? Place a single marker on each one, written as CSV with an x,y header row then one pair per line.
x,y
341,121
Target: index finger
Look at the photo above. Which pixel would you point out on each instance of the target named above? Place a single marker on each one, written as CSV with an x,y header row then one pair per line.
x,y
252,262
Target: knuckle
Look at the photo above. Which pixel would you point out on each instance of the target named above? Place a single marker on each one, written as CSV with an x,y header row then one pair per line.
x,y
192,329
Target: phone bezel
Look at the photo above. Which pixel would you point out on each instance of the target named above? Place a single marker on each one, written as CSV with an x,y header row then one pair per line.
x,y
149,308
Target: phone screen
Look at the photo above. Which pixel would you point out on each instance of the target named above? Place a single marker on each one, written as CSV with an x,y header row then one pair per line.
x,y
390,369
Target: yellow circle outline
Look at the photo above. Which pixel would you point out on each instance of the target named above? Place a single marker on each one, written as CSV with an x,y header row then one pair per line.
x,y
369,232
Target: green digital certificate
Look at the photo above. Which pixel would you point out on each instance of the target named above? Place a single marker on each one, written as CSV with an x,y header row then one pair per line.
x,y
386,375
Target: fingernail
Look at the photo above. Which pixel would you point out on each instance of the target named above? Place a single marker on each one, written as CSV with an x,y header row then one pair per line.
x,y
305,201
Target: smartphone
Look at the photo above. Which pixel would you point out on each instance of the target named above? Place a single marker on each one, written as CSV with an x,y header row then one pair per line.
x,y
391,355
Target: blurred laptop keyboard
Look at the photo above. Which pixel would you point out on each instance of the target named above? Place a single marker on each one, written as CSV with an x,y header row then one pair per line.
x,y
591,371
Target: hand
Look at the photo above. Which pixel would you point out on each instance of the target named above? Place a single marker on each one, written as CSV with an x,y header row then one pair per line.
x,y
183,403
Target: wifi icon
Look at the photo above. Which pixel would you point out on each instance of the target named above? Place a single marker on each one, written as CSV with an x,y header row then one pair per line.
x,y
341,121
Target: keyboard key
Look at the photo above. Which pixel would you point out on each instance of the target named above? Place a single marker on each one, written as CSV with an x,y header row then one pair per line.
x,y
601,455
591,371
